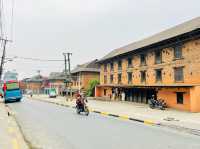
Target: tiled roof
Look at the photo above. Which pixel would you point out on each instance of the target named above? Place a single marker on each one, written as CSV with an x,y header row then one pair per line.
x,y
181,29
87,67
37,78
57,76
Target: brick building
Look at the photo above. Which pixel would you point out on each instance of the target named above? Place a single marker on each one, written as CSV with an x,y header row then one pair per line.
x,y
36,84
23,84
166,65
82,74
56,80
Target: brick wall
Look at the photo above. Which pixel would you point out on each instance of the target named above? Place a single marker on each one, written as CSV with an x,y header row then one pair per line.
x,y
190,63
34,86
85,78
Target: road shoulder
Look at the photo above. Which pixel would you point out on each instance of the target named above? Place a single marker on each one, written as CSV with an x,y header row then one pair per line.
x,y
11,137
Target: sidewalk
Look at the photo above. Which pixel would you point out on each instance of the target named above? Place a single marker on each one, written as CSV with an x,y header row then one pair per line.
x,y
10,136
170,118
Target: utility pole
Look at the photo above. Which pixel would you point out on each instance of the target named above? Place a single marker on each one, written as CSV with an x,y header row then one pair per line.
x,y
67,59
69,62
3,55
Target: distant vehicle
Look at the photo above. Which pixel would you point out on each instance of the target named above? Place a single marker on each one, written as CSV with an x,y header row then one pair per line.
x,y
52,93
29,92
12,91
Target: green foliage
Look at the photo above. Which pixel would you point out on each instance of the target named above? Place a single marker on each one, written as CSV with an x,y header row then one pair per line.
x,y
91,87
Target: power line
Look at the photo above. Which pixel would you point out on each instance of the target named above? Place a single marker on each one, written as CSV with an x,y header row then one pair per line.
x,y
1,18
37,59
12,20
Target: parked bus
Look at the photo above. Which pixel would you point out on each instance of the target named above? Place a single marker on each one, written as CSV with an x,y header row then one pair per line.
x,y
12,91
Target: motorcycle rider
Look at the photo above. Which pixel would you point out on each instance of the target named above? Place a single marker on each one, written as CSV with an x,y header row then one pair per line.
x,y
80,101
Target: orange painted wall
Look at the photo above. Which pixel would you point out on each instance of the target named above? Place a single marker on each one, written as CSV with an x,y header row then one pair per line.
x,y
169,95
99,92
195,99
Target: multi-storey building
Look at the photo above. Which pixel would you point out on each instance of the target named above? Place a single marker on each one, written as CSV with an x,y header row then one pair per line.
x,y
82,75
166,65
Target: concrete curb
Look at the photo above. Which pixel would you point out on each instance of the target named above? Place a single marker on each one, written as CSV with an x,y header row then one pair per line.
x,y
122,117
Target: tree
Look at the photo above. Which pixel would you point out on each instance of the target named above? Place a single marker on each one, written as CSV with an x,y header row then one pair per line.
x,y
91,88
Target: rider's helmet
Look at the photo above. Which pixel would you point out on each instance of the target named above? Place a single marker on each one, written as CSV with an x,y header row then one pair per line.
x,y
78,95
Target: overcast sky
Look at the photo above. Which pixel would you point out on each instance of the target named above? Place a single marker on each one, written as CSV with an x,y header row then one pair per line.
x,y
87,28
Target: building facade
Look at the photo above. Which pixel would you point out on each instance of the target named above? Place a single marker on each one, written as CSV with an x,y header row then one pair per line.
x,y
36,84
166,65
56,80
82,75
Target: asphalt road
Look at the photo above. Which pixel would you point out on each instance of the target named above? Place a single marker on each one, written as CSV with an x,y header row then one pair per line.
x,y
49,126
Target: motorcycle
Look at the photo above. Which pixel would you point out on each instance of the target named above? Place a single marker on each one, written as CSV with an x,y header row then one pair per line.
x,y
82,109
154,103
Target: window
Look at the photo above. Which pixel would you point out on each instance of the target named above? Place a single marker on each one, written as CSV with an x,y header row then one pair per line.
x,y
142,59
178,74
158,75
119,65
105,79
111,66
111,78
143,76
179,97
158,57
129,77
104,92
178,52
105,67
119,78
129,62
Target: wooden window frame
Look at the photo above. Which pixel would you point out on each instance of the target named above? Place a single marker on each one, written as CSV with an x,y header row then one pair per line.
x,y
157,70
130,62
130,79
143,78
176,75
119,80
143,60
111,78
156,57
119,66
178,47
111,66
105,67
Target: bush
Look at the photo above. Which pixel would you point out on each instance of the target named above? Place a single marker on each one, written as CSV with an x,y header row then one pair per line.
x,y
91,88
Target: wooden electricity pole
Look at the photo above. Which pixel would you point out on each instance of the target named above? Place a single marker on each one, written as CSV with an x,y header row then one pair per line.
x,y
3,56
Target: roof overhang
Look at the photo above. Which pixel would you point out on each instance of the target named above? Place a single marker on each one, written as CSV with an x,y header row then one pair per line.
x,y
146,86
156,45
